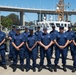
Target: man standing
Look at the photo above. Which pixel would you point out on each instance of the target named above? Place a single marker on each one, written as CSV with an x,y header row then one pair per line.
x,y
10,35
2,48
31,45
70,33
18,41
25,34
53,33
61,42
45,41
38,33
74,54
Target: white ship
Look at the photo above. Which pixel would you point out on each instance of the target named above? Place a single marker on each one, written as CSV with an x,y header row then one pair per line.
x,y
50,23
61,22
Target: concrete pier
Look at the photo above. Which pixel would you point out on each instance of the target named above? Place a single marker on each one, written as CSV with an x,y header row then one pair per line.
x,y
44,71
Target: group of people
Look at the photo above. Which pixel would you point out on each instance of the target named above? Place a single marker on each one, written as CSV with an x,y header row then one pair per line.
x,y
29,43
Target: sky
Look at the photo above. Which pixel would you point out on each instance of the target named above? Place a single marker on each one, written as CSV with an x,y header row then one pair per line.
x,y
38,4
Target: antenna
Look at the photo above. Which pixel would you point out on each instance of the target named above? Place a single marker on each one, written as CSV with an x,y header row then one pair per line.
x,y
40,10
60,10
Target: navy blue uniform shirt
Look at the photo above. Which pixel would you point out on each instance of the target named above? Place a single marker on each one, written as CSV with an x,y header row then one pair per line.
x,y
25,34
2,37
18,39
70,34
11,33
46,38
38,34
31,40
61,38
54,33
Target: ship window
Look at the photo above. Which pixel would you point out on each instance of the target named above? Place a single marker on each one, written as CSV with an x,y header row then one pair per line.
x,y
46,25
42,23
51,24
61,24
65,25
68,24
57,24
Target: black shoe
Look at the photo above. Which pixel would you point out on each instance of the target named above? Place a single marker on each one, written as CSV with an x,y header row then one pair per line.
x,y
22,68
74,69
40,68
64,68
50,69
10,59
5,67
14,68
55,69
11,65
27,69
34,69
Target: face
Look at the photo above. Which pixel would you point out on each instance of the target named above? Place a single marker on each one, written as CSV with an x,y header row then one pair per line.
x,y
31,32
61,30
45,31
53,28
38,29
69,28
14,28
18,31
26,29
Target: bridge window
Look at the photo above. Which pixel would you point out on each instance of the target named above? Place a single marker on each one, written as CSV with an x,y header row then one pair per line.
x,y
42,23
65,25
46,25
57,24
62,25
51,24
68,24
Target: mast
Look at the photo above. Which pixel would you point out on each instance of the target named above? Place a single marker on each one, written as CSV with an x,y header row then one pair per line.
x,y
60,10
